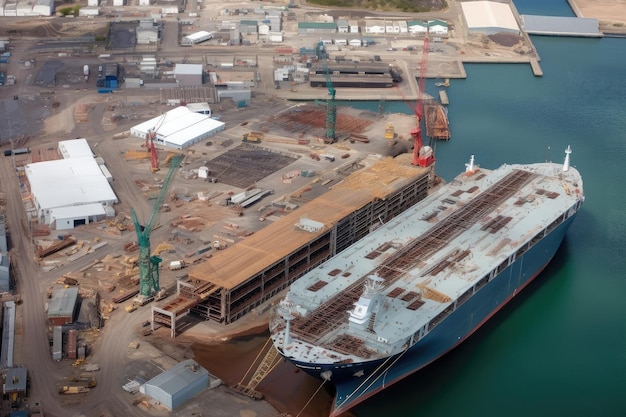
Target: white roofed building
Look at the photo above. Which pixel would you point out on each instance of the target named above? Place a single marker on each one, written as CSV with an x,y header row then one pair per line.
x,y
489,17
73,182
179,128
188,74
74,148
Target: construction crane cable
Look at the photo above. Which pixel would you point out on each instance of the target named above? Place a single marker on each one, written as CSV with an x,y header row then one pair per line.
x,y
255,360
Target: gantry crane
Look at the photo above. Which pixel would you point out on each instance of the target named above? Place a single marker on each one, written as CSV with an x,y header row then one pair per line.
x,y
331,107
149,265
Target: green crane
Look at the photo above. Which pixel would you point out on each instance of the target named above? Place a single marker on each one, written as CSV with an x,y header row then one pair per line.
x,y
149,265
331,107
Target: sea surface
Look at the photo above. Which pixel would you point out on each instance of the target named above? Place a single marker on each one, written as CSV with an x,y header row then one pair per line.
x,y
559,349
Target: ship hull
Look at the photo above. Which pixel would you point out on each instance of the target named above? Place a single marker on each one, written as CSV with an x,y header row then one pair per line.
x,y
374,376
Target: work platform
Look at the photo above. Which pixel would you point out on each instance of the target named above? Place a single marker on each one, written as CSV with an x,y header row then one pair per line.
x,y
240,278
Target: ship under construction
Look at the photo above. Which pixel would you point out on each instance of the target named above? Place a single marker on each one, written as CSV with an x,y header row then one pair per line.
x,y
233,282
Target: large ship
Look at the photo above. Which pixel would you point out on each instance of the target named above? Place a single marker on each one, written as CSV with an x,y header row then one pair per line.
x,y
422,283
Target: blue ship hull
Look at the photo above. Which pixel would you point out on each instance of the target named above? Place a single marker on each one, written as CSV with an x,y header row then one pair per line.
x,y
374,376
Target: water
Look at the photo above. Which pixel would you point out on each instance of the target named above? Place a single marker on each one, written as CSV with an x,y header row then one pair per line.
x,y
560,348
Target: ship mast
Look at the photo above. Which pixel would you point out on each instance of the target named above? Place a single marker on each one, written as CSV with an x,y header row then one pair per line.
x,y
568,151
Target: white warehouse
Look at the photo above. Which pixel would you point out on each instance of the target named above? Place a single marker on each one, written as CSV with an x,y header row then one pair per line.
x,y
71,191
178,128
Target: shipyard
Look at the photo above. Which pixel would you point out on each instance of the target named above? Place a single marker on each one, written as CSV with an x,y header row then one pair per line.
x,y
170,172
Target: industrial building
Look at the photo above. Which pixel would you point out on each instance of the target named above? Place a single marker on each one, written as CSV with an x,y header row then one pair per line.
x,y
71,191
10,8
62,305
7,319
233,282
173,387
369,75
15,383
178,128
561,26
5,276
188,74
489,17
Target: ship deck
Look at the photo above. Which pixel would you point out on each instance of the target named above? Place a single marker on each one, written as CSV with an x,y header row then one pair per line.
x,y
426,259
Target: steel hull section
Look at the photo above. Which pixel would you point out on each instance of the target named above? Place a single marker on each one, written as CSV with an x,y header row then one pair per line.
x,y
374,376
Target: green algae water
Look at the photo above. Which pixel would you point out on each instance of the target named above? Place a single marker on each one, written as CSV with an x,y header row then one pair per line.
x,y
559,348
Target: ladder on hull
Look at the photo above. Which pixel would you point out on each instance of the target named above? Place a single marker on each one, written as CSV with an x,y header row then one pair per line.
x,y
265,361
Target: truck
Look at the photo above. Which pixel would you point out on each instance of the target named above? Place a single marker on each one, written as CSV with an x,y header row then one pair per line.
x,y
176,265
86,71
254,137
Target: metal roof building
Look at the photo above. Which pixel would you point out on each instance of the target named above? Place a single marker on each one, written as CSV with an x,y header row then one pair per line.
x,y
8,334
188,74
61,305
74,148
179,128
15,383
178,384
68,182
489,17
5,276
561,26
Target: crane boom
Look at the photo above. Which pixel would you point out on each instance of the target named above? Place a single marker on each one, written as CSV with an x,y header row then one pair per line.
x,y
149,266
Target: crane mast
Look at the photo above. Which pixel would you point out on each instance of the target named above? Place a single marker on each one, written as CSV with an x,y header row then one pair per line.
x,y
331,107
422,155
149,265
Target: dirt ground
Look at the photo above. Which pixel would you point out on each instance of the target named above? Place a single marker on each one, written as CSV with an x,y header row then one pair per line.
x,y
610,13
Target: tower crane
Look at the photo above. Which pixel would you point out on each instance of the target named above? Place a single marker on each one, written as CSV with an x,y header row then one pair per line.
x,y
331,107
149,265
422,155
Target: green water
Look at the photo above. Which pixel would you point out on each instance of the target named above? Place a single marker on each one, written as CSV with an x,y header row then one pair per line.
x,y
559,349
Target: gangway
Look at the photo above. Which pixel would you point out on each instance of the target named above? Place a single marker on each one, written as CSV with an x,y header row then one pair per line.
x,y
265,366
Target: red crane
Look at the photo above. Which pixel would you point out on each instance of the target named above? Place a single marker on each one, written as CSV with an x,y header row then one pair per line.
x,y
154,158
422,155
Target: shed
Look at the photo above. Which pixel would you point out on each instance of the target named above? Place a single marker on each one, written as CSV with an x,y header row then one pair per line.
x,y
188,74
178,384
62,305
355,42
489,17
354,26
